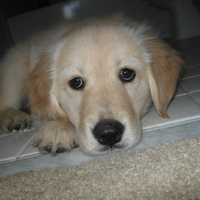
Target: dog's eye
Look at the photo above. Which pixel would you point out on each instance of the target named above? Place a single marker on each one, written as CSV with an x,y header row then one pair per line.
x,y
76,83
127,75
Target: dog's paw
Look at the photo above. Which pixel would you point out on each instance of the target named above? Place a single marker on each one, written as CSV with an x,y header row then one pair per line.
x,y
14,120
56,137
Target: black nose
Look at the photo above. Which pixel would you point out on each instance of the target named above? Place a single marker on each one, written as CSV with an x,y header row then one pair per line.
x,y
108,132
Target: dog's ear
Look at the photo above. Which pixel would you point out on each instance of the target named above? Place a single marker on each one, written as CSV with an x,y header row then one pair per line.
x,y
38,88
163,74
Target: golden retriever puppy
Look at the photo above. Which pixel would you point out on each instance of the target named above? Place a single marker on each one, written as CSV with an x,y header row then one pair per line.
x,y
87,83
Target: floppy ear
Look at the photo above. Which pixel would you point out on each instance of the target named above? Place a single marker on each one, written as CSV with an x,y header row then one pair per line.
x,y
163,74
38,91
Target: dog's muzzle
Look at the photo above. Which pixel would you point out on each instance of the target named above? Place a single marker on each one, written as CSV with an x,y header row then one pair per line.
x,y
108,132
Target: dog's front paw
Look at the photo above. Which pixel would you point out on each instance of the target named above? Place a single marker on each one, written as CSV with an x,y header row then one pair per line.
x,y
14,120
56,137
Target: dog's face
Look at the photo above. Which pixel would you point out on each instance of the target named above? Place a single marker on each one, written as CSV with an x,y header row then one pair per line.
x,y
101,83
102,78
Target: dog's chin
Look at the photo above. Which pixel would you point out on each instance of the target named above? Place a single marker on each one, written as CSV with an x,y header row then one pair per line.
x,y
102,149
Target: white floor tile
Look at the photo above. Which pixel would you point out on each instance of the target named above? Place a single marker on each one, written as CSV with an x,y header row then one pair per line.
x,y
11,146
29,151
191,85
187,56
194,49
180,91
191,45
180,132
192,63
2,134
181,110
191,72
196,97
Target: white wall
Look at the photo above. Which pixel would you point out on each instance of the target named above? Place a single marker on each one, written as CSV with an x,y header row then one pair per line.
x,y
26,24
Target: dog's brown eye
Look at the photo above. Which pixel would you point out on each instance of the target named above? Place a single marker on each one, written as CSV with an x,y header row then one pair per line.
x,y
127,75
76,83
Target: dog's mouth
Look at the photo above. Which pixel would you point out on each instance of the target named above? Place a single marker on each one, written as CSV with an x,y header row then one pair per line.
x,y
116,147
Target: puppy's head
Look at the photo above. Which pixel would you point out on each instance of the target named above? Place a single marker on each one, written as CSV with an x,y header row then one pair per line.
x,y
102,78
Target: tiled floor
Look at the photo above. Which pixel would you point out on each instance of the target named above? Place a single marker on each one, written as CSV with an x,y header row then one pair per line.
x,y
184,112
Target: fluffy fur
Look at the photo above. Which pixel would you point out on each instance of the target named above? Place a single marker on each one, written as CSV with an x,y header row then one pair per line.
x,y
37,73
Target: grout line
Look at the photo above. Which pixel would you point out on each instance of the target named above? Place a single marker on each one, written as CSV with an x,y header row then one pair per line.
x,y
179,95
187,93
194,98
5,134
192,53
22,150
164,126
192,66
7,161
30,156
193,92
186,78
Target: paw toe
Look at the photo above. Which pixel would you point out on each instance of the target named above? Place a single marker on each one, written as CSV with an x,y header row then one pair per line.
x,y
15,120
25,126
17,127
48,149
10,128
54,138
61,150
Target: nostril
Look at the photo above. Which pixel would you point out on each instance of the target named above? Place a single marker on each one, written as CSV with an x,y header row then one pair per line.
x,y
108,132
117,137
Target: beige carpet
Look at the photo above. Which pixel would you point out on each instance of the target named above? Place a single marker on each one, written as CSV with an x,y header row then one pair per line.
x,y
169,171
